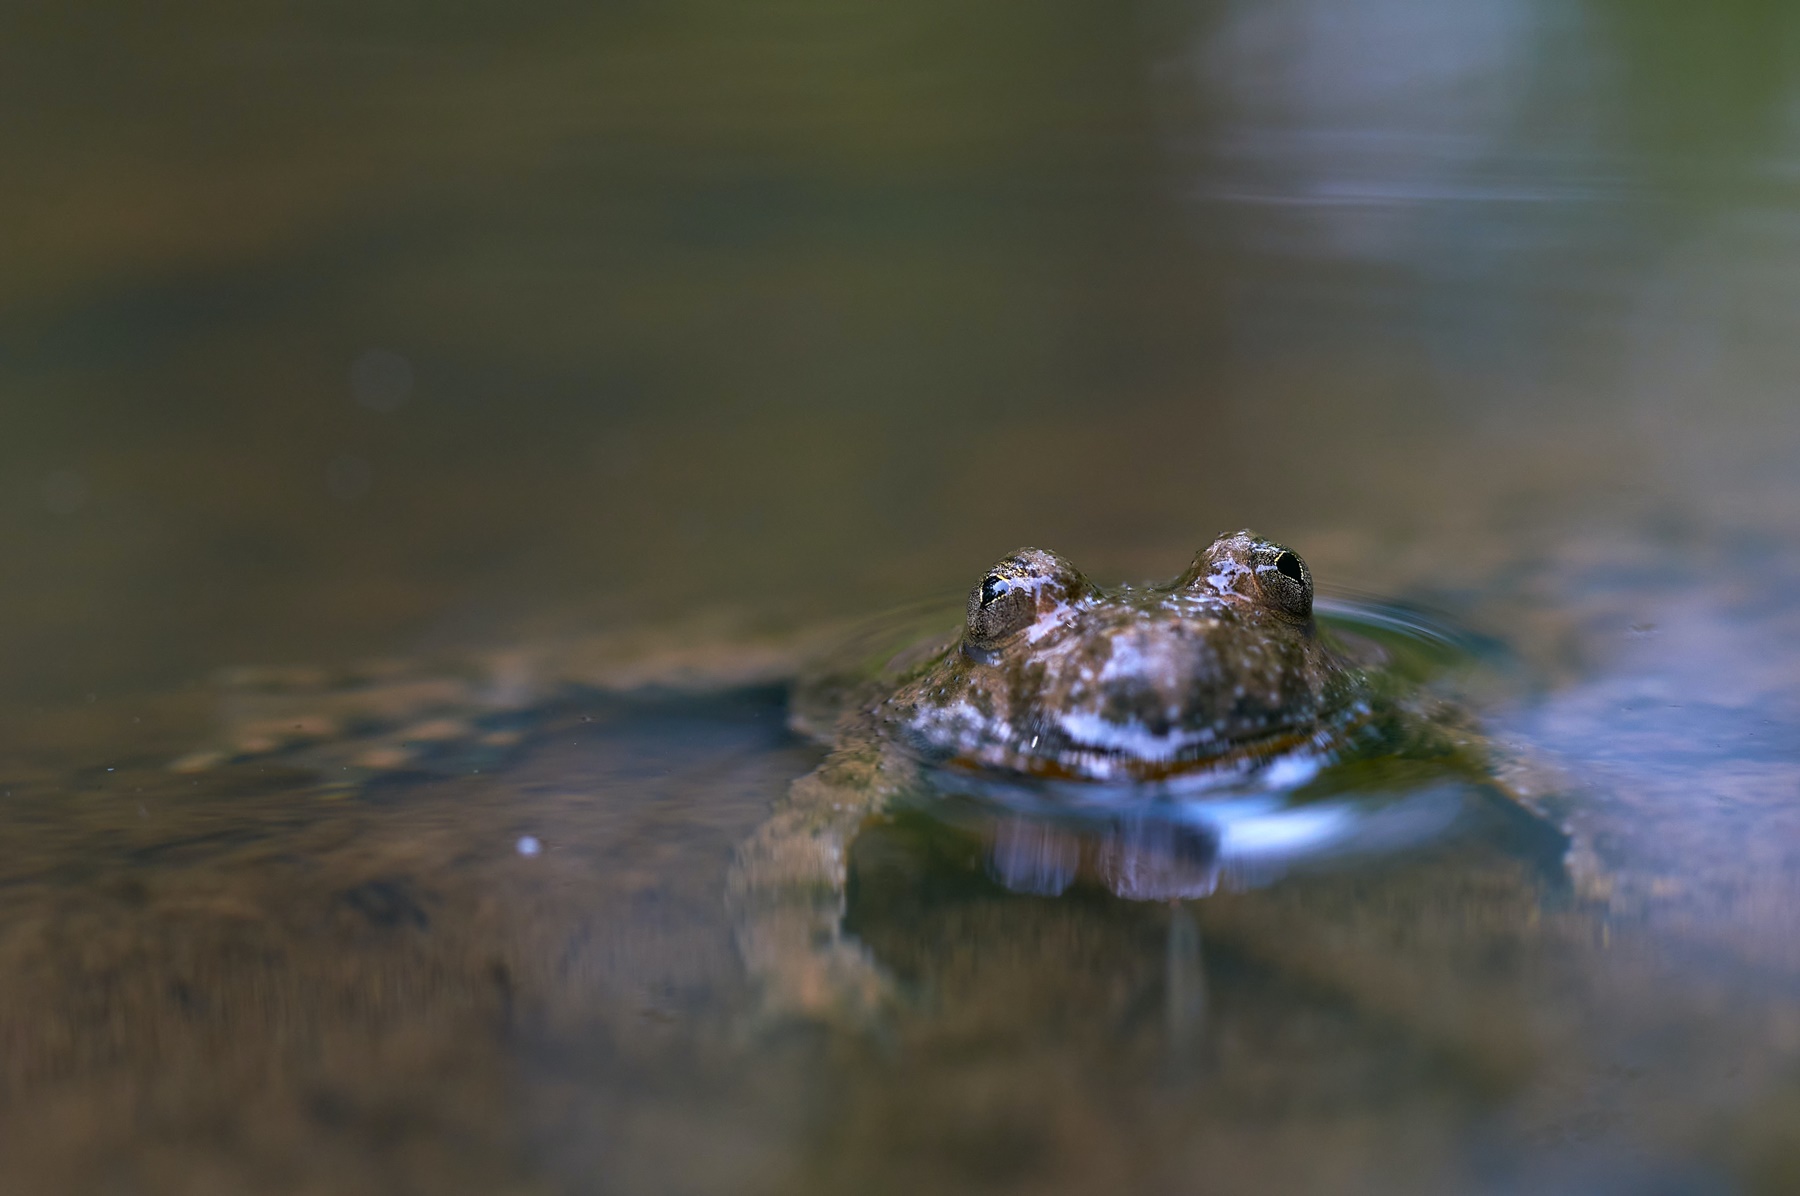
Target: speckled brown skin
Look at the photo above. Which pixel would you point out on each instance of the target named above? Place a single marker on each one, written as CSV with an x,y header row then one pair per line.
x,y
1220,668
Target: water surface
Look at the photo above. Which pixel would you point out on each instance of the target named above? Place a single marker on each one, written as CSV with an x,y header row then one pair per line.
x,y
379,332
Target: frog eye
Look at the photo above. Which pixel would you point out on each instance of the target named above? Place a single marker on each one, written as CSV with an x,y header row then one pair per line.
x,y
1285,582
997,608
1016,592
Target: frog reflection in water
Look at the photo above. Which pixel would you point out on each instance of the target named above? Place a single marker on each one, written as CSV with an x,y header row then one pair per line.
x,y
1216,679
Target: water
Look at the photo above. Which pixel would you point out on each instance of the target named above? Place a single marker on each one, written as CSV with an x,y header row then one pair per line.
x,y
379,332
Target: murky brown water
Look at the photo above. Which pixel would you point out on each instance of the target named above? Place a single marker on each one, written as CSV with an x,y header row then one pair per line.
x,y
386,332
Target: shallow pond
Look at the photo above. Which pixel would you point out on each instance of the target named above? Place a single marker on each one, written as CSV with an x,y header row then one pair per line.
x,y
350,348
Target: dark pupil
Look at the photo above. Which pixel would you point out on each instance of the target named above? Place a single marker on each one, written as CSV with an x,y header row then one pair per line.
x,y
991,588
1288,565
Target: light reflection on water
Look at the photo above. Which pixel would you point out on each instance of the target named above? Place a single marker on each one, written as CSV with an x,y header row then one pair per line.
x,y
351,334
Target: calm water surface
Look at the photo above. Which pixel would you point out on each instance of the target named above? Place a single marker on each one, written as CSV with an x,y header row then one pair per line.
x,y
391,333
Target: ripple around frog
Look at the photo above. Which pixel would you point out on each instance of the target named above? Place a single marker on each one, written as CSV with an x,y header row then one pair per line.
x,y
1191,834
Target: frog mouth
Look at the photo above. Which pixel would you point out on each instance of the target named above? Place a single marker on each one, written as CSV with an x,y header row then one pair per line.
x,y
1069,759
1086,762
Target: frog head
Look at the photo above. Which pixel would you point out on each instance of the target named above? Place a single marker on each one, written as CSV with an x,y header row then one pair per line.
x,y
1219,669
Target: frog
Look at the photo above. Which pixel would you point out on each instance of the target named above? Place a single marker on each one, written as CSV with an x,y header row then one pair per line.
x,y
1156,705
1146,739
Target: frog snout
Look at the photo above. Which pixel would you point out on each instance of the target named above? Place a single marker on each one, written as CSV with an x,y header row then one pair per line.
x,y
1169,665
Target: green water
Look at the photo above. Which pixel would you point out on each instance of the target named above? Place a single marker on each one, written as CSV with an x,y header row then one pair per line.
x,y
401,331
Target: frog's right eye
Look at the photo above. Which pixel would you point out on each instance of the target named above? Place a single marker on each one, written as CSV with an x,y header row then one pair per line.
x,y
1283,579
992,587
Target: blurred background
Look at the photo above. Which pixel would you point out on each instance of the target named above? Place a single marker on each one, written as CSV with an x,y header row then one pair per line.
x,y
344,328
397,329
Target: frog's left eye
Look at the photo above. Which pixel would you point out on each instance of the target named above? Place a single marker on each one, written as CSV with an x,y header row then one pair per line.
x,y
1285,581
998,607
1016,592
